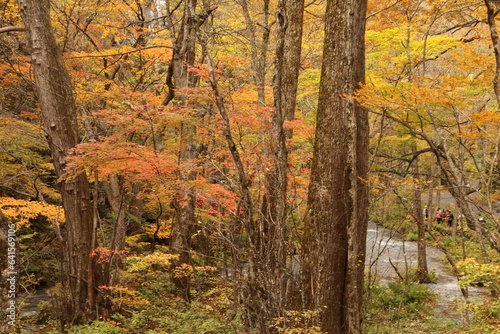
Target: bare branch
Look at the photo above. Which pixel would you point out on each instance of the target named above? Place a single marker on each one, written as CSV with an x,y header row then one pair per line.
x,y
122,53
12,28
383,9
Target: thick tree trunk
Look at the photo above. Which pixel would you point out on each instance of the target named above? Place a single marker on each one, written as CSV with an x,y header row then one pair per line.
x,y
54,91
335,228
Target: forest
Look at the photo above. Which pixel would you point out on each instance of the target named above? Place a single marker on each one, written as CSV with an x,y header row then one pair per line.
x,y
249,166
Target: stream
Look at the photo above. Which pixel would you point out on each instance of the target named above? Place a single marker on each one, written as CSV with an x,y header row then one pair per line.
x,y
30,302
385,246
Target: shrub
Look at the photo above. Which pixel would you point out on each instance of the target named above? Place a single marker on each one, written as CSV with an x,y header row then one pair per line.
x,y
298,322
485,316
478,274
415,276
97,327
194,319
400,301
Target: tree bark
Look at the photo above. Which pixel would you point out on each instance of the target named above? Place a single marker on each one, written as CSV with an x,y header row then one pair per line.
x,y
293,11
255,291
458,185
259,47
335,228
119,202
423,272
11,28
58,111
271,250
179,77
492,12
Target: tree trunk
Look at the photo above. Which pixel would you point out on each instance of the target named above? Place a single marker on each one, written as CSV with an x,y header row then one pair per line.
x,y
492,12
259,48
179,77
335,228
134,225
430,201
119,203
292,49
254,292
423,272
458,185
58,111
271,245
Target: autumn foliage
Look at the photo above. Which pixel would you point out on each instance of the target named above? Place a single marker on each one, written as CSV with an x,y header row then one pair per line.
x,y
430,69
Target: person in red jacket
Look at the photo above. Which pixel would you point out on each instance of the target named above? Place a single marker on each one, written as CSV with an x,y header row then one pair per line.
x,y
439,215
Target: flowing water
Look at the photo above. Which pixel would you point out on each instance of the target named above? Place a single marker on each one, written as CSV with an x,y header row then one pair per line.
x,y
30,302
385,246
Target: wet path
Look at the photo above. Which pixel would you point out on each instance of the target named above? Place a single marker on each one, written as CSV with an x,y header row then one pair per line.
x,y
385,246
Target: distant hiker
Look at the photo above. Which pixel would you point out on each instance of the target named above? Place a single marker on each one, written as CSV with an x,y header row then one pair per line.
x,y
426,212
450,218
439,215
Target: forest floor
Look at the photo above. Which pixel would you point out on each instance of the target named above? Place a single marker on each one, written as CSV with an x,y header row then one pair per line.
x,y
385,246
386,250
